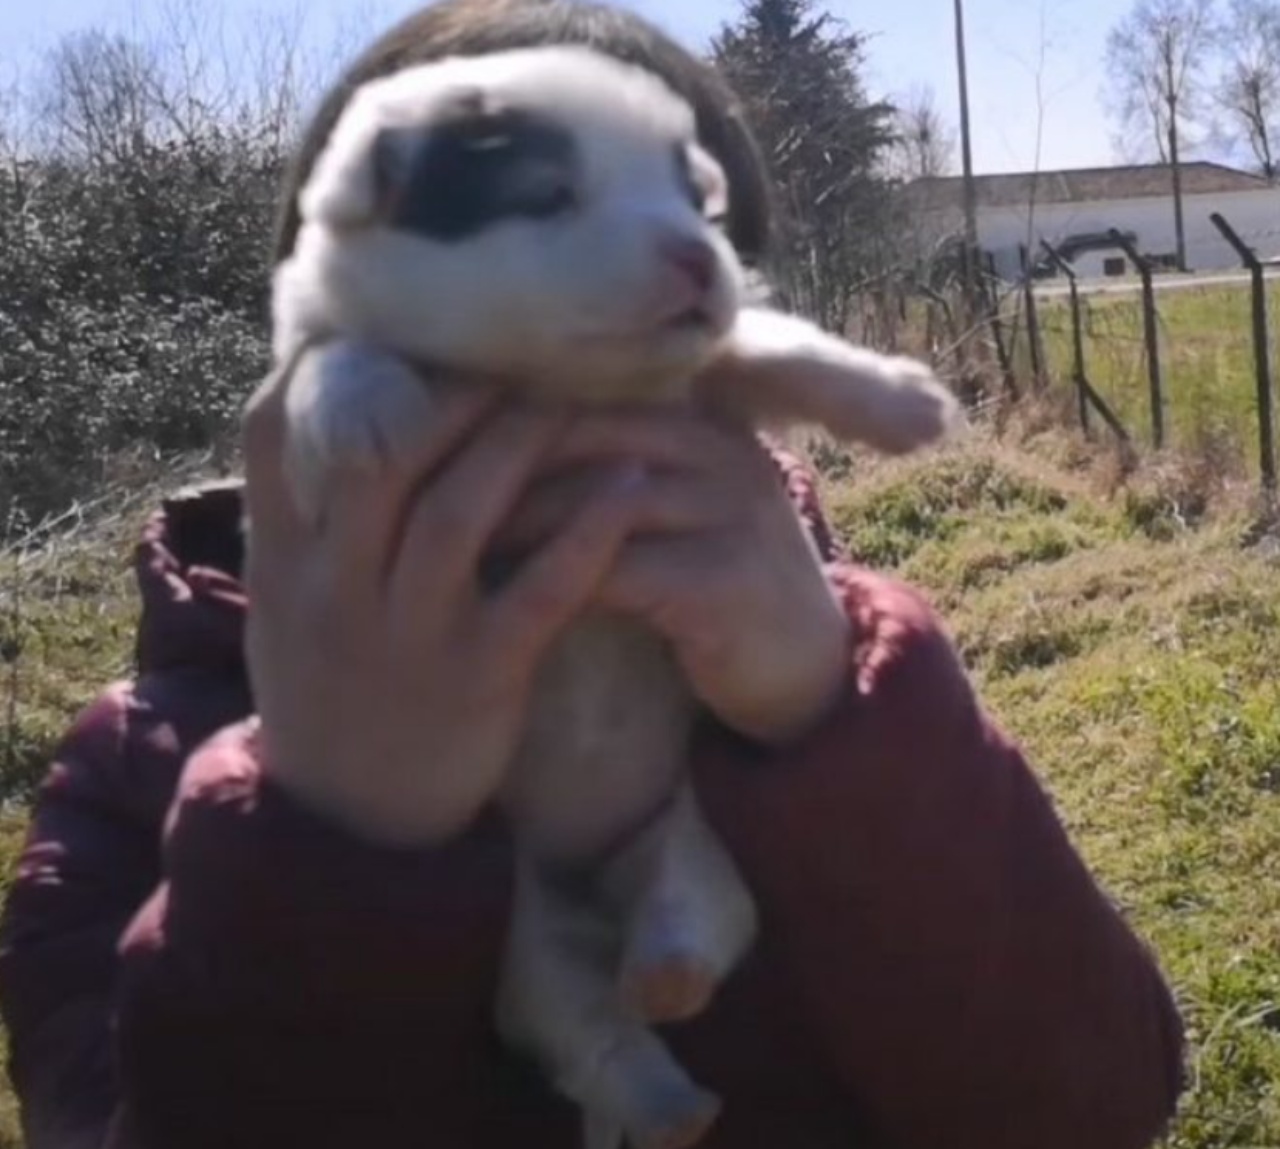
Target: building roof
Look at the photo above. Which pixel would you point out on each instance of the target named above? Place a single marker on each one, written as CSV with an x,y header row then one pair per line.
x,y
1085,185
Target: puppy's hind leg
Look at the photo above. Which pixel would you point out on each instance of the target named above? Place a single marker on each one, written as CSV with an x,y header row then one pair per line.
x,y
558,1000
688,915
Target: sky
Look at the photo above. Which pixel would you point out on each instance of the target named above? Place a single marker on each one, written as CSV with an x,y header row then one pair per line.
x,y
1035,66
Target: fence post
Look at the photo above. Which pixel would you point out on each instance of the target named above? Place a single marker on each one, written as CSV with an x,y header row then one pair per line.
x,y
1261,351
1151,333
1034,346
1003,353
1077,333
1087,395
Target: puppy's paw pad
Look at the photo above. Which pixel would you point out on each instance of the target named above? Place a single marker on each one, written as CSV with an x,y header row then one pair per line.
x,y
687,1133
915,410
638,1089
681,1124
350,409
375,408
672,988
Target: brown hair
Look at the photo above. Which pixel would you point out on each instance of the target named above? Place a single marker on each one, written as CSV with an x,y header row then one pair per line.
x,y
479,27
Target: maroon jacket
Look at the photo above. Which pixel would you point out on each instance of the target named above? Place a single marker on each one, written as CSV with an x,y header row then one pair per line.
x,y
192,960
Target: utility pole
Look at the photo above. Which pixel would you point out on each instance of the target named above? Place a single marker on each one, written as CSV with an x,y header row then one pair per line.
x,y
966,151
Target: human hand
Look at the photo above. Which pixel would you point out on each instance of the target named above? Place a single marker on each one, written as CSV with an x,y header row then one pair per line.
x,y
718,561
390,687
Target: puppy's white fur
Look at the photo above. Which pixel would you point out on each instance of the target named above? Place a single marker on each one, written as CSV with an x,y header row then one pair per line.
x,y
566,308
581,308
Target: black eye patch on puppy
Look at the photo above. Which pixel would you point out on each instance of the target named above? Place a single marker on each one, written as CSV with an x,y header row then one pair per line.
x,y
474,168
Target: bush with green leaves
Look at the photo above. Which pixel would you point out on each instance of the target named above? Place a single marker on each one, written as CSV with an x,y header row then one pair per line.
x,y
132,307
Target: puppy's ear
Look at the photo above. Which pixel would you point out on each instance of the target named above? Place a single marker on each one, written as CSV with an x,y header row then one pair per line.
x,y
369,161
343,189
779,371
713,185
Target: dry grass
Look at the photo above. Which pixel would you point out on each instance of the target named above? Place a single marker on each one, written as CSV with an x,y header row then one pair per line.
x,y
67,615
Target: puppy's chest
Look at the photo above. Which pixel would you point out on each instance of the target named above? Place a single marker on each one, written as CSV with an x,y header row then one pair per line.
x,y
607,735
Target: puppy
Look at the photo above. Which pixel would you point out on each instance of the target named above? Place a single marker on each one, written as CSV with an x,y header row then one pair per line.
x,y
546,221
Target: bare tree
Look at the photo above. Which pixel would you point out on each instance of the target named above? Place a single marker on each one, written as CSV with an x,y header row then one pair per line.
x,y
140,167
96,100
924,142
10,108
1249,90
1037,69
1156,61
189,73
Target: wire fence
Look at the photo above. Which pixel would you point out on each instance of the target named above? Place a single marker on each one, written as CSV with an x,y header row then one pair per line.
x,y
1153,362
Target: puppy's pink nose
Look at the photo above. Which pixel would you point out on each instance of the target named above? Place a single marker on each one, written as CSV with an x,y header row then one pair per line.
x,y
692,259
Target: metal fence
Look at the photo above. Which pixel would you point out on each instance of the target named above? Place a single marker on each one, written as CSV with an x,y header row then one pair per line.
x,y
1020,323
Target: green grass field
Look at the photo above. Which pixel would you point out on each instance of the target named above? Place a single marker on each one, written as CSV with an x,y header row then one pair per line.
x,y
1136,661
1135,657
1206,356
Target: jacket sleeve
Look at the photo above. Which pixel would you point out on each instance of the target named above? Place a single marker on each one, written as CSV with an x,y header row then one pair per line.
x,y
178,931
281,960
970,982
84,869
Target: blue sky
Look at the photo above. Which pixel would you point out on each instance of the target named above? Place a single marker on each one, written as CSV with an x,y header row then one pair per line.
x,y
1015,46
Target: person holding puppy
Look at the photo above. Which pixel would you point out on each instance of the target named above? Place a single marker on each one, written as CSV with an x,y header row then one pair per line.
x,y
194,952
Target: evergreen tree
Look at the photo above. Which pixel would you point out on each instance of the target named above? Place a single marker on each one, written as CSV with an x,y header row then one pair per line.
x,y
798,71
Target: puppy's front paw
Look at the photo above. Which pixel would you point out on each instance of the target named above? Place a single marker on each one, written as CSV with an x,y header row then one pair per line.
x,y
911,409
351,407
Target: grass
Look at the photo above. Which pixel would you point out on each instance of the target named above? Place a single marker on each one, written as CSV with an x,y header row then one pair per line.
x,y
67,616
11,829
1135,659
1124,633
68,609
1206,356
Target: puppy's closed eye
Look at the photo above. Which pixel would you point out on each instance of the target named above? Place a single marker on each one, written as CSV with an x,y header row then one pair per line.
x,y
472,170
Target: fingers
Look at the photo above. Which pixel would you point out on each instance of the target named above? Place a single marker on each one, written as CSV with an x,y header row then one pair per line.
x,y
650,502
555,585
350,551
546,505
652,578
450,524
658,439
609,554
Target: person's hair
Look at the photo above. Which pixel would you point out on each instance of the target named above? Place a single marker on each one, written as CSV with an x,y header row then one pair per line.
x,y
481,27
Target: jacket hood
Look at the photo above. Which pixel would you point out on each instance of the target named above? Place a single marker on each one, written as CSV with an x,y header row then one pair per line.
x,y
188,564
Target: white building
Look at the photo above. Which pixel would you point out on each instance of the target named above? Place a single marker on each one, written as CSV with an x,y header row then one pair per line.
x,y
1078,208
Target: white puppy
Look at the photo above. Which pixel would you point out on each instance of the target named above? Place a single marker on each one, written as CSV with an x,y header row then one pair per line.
x,y
545,219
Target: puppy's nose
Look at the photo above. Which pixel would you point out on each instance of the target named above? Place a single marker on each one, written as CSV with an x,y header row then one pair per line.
x,y
692,259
